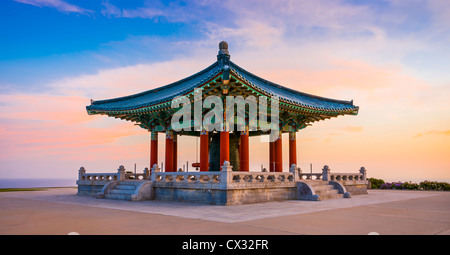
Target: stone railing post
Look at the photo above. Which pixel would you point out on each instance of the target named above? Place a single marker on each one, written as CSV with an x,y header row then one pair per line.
x,y
226,176
363,171
81,172
155,169
146,173
121,173
326,173
295,171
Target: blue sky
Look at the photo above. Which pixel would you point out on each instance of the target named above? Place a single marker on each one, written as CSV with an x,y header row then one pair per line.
x,y
390,56
46,42
57,35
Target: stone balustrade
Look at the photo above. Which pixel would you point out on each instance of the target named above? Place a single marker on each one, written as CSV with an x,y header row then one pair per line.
x,y
95,178
100,177
215,178
346,177
103,178
138,176
224,186
224,179
361,176
184,186
258,177
326,175
311,176
174,178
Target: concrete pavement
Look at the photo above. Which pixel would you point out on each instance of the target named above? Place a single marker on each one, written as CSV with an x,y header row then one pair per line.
x,y
60,211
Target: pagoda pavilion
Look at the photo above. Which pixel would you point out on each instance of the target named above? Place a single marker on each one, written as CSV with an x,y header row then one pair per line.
x,y
224,177
152,110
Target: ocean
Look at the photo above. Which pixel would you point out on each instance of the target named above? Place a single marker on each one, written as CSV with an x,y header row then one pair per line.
x,y
36,183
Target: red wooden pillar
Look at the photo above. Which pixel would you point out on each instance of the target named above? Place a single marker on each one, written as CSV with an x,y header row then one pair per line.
x,y
244,152
278,155
175,153
153,149
271,156
224,146
292,149
169,151
204,151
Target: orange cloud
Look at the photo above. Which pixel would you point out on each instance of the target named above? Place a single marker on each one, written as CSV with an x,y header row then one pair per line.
x,y
41,125
434,132
42,107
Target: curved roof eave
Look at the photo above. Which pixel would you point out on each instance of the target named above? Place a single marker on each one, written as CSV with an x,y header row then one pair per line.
x,y
292,96
157,95
181,87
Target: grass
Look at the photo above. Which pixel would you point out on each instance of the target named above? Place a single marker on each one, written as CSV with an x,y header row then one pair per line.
x,y
30,189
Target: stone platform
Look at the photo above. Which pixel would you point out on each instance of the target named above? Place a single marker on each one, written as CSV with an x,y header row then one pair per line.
x,y
223,187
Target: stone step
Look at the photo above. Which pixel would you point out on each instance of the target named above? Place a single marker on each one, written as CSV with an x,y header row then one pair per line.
x,y
324,190
327,191
325,194
323,187
130,183
330,196
118,196
122,191
125,190
316,182
125,187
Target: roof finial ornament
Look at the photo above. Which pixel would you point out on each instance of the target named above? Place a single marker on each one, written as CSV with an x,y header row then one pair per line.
x,y
223,51
223,48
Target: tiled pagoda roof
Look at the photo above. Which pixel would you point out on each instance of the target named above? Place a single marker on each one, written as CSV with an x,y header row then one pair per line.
x,y
158,95
182,87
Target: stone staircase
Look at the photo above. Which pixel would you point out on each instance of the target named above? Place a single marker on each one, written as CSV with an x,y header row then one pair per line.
x,y
325,190
318,190
127,190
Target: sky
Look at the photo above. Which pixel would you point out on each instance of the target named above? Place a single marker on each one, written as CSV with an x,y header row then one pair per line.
x,y
391,57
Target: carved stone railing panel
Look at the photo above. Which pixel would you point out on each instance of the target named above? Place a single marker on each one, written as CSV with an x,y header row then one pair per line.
x,y
327,175
95,178
225,179
311,176
137,176
346,177
103,178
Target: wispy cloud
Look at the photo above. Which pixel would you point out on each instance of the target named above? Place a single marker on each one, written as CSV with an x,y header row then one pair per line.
x,y
148,12
434,132
60,5
155,10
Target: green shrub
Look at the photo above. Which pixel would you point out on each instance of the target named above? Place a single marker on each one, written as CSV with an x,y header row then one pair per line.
x,y
425,185
429,185
375,183
410,186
